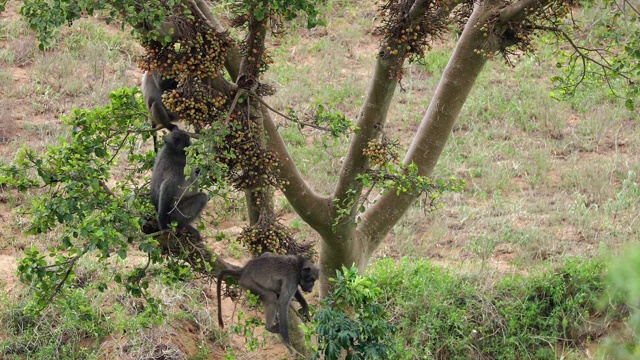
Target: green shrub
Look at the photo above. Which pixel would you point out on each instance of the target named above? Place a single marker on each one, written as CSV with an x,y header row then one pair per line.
x,y
72,329
624,281
441,315
353,320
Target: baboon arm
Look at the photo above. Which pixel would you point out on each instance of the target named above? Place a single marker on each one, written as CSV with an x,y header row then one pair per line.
x,y
152,92
303,304
165,204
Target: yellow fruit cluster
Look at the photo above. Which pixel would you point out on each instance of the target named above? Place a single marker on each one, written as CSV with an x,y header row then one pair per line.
x,y
198,52
197,104
380,153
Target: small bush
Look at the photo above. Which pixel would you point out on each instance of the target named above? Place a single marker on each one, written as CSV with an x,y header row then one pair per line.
x,y
624,281
352,320
440,315
71,329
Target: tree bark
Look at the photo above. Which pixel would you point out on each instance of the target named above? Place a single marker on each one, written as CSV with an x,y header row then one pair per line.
x,y
453,89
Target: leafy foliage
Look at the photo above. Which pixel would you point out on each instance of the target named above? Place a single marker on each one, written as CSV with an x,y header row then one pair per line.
x,y
67,324
287,9
352,319
45,16
623,281
87,323
603,56
440,315
95,214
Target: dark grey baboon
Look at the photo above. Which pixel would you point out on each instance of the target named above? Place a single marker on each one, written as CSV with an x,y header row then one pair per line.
x,y
175,197
153,86
275,279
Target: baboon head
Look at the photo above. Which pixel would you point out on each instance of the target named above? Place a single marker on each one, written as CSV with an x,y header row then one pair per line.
x,y
178,140
308,276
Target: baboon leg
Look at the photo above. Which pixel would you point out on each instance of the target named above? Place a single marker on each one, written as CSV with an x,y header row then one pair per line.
x,y
303,304
270,307
165,204
161,116
268,298
189,208
283,315
191,233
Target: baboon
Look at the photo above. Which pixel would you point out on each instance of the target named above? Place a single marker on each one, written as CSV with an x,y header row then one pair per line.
x,y
275,279
153,86
170,192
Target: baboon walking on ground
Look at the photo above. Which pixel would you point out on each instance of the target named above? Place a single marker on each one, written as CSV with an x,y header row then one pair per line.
x,y
275,279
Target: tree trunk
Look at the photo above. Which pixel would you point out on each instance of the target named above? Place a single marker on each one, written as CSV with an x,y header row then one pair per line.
x,y
456,83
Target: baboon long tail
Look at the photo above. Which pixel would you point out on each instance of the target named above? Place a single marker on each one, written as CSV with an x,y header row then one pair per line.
x,y
219,286
221,276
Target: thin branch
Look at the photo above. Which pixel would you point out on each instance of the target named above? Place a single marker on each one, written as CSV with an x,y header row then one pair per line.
x,y
58,287
115,153
635,9
290,118
70,261
581,50
165,231
107,190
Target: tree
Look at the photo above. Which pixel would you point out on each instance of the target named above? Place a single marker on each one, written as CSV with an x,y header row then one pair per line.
x,y
221,96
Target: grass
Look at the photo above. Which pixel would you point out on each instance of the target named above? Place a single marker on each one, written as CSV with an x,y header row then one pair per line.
x,y
544,315
546,180
89,324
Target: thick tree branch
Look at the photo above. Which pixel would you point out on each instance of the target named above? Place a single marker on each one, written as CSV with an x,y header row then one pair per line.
x,y
312,208
372,117
434,130
516,10
250,67
371,121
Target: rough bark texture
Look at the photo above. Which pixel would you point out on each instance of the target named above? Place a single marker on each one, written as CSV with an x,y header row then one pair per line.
x,y
453,89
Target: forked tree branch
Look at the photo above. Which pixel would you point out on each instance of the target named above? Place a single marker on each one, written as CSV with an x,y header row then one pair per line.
x,y
372,117
312,208
434,130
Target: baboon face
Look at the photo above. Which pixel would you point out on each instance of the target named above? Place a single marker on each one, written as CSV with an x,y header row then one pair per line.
x,y
308,277
178,139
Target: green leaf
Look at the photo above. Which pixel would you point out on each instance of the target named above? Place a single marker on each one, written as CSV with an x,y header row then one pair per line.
x,y
630,104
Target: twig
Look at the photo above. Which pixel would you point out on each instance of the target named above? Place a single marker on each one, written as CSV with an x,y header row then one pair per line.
x,y
107,190
58,287
289,118
579,49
